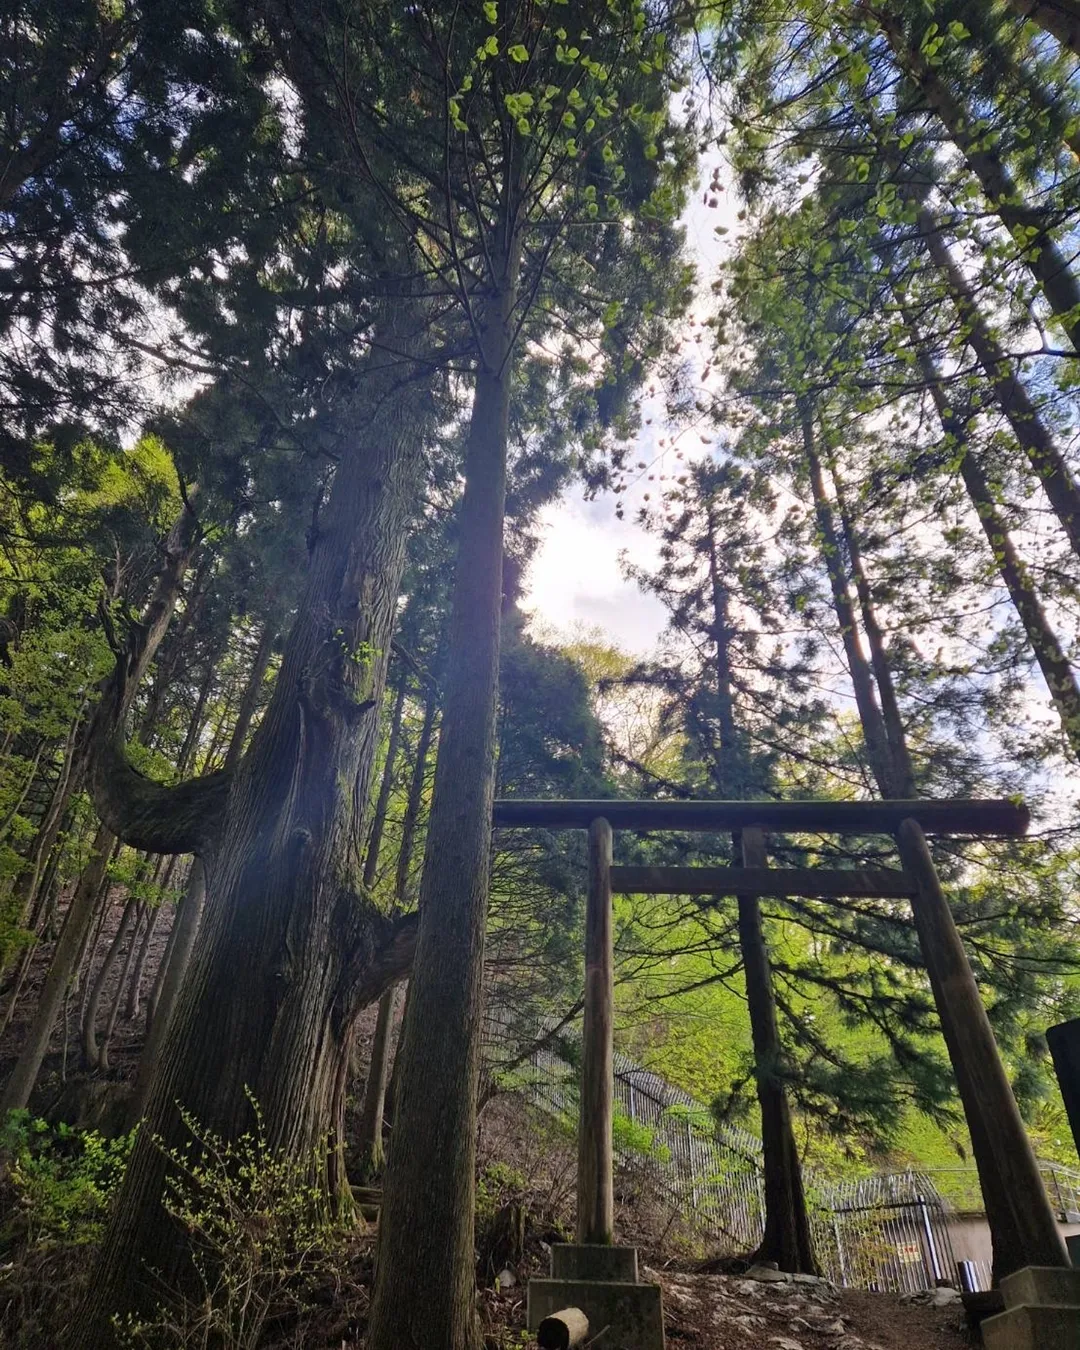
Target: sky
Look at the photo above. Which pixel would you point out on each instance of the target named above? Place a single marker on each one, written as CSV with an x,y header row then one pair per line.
x,y
576,578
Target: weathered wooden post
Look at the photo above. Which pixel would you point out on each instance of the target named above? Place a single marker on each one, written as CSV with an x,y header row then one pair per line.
x,y
596,1186
1064,1042
989,1105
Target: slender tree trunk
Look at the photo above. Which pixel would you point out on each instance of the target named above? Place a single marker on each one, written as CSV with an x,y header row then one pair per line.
x,y
1028,427
186,926
1028,226
80,917
84,964
413,804
1056,668
426,1220
17,805
288,950
114,1010
378,819
870,717
1055,665
1059,17
787,1227
786,1238
134,998
370,1142
370,1139
90,1048
901,781
28,882
249,702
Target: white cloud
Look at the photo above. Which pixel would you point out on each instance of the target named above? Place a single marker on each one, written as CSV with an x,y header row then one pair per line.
x,y
576,578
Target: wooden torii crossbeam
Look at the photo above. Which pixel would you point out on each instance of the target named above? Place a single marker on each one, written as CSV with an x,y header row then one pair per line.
x,y
1022,1222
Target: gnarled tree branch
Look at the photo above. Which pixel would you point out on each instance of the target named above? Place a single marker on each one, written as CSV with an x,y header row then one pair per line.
x,y
161,818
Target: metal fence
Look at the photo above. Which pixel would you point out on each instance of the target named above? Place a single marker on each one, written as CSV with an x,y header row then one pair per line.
x,y
888,1232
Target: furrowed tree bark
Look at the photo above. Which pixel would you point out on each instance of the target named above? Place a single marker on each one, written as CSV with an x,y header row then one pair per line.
x,y
426,1220
1028,226
288,950
188,917
1059,17
1027,425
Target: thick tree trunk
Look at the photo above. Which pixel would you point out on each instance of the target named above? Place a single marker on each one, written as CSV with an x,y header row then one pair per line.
x,y
69,948
1028,226
787,1228
287,950
426,1221
1059,17
188,917
1028,427
870,717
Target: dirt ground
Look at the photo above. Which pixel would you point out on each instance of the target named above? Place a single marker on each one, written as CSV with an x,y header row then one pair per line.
x,y
724,1312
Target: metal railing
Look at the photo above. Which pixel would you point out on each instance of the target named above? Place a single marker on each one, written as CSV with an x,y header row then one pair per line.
x,y
888,1232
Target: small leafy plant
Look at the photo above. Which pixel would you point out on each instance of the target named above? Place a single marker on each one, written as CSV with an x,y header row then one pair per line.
x,y
260,1241
62,1178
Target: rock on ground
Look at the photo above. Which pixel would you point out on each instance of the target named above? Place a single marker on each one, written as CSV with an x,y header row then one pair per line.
x,y
764,1310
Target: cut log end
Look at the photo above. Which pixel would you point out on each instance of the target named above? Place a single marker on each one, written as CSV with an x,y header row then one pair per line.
x,y
563,1330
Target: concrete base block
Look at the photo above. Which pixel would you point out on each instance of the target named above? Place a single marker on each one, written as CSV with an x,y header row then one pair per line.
x,y
1039,1285
1033,1328
1073,1244
632,1313
591,1261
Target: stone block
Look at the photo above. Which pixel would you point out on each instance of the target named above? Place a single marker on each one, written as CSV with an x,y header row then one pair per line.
x,y
632,1313
1033,1328
591,1261
1073,1244
1037,1285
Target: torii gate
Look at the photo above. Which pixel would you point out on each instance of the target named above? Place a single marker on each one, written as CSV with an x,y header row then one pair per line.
x,y
1022,1222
